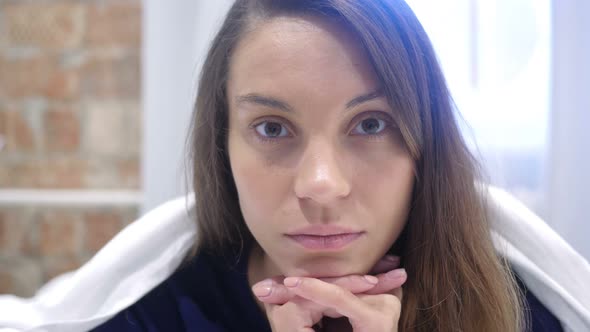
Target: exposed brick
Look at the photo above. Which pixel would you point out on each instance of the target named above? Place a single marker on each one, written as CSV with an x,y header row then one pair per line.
x,y
111,130
116,76
5,176
17,130
3,129
100,173
101,227
129,173
22,135
130,215
105,129
23,77
54,56
62,84
37,76
67,172
57,173
135,123
17,232
70,173
20,174
63,173
7,284
51,25
20,276
3,230
58,233
62,130
52,267
114,24
111,174
29,243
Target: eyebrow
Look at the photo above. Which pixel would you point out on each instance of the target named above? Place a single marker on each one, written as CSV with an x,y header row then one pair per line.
x,y
258,99
363,99
254,98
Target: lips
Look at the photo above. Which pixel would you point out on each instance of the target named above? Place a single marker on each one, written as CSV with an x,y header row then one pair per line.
x,y
323,230
321,237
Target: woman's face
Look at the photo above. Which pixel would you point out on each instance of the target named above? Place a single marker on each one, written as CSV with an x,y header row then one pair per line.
x,y
314,150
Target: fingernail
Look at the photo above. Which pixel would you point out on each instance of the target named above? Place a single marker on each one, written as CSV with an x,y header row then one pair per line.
x,y
396,274
263,288
291,281
371,279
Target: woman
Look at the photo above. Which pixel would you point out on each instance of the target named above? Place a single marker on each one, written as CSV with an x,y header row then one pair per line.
x,y
325,148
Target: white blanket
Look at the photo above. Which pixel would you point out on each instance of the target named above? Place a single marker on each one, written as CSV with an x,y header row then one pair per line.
x,y
149,250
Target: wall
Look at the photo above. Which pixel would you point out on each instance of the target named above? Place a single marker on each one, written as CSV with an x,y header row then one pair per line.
x,y
569,178
70,125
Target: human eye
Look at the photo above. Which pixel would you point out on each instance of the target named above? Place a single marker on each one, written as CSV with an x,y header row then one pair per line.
x,y
372,125
270,130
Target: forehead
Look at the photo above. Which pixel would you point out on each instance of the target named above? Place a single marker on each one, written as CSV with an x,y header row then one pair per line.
x,y
300,52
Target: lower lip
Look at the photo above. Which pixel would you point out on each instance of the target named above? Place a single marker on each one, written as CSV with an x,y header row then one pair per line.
x,y
328,242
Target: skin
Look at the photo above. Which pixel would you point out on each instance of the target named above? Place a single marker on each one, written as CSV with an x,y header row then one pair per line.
x,y
302,155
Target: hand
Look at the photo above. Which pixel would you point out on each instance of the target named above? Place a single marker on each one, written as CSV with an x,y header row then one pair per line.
x,y
371,303
272,290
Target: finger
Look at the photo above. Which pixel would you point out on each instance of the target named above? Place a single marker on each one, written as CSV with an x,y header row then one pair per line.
x,y
272,291
387,263
354,283
385,303
330,296
398,292
291,317
389,281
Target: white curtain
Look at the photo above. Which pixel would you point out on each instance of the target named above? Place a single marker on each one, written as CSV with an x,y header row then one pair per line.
x,y
518,71
568,186
175,40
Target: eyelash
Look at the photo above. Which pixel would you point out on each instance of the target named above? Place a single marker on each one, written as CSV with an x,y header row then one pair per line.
x,y
372,115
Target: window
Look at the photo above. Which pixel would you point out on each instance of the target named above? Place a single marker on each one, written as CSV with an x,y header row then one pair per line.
x,y
496,58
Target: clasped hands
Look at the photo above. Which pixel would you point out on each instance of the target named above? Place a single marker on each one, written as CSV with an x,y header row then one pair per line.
x,y
369,303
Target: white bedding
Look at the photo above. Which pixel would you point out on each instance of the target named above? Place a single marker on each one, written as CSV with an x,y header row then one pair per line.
x,y
150,249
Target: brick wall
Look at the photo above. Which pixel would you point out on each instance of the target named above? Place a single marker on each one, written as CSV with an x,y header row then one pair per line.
x,y
69,119
40,243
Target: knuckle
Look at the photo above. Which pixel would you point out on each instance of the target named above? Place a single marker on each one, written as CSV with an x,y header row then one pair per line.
x,y
281,317
390,302
381,321
355,281
357,284
341,293
352,279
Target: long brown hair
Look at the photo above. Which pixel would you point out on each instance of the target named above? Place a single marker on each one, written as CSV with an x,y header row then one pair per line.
x,y
457,282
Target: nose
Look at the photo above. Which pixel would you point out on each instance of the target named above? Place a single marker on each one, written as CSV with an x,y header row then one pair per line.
x,y
320,176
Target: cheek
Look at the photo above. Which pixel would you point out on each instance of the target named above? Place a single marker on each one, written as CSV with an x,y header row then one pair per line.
x,y
260,188
386,189
385,193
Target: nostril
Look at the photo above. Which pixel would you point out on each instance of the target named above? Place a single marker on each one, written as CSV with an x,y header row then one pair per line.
x,y
322,193
322,178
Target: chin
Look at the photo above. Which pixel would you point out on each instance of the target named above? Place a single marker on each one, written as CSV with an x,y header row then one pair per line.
x,y
323,269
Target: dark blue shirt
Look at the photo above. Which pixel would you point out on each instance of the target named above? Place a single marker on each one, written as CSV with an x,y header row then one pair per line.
x,y
208,295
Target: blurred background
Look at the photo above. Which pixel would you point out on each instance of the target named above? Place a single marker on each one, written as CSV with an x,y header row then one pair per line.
x,y
96,96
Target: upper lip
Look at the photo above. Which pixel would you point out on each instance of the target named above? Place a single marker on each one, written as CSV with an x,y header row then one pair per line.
x,y
323,230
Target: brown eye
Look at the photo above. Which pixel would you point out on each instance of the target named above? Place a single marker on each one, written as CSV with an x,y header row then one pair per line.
x,y
271,129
